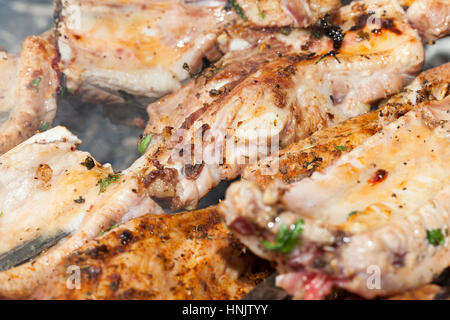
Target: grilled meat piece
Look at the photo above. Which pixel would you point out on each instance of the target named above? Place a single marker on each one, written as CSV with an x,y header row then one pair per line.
x,y
189,255
430,17
149,47
54,199
137,46
380,208
271,94
28,86
281,13
300,160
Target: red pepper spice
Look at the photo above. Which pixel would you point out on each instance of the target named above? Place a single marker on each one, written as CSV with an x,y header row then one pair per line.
x,y
378,177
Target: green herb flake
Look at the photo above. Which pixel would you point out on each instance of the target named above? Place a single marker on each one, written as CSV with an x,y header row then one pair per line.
x,y
435,237
64,91
286,31
341,148
44,127
108,229
287,238
261,13
361,36
35,82
104,183
238,9
89,163
1,214
352,213
143,144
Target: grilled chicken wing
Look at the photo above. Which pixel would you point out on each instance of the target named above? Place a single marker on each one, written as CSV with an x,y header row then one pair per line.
x,y
279,13
28,86
272,94
430,17
379,207
57,198
189,255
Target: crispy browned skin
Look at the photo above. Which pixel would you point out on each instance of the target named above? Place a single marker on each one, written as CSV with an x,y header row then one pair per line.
x,y
190,255
315,153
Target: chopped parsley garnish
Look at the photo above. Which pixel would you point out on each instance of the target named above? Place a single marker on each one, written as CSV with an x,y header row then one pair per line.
x,y
143,144
238,9
287,238
89,163
435,237
352,213
35,82
341,148
104,183
64,91
361,36
45,127
108,229
261,13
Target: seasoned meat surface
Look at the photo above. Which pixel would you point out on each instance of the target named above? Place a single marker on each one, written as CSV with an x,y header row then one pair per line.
x,y
28,85
136,46
149,47
54,199
430,17
188,255
381,204
279,89
280,13
302,159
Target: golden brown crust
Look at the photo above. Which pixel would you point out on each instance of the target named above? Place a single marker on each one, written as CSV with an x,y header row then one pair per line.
x,y
301,159
189,255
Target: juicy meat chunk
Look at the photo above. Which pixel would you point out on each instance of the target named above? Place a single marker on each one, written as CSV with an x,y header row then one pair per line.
x,y
189,255
430,17
381,207
28,85
300,160
136,46
271,94
54,199
280,13
149,47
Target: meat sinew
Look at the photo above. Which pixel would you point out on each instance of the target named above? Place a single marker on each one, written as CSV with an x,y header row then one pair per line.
x,y
54,199
372,219
277,90
189,255
28,85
